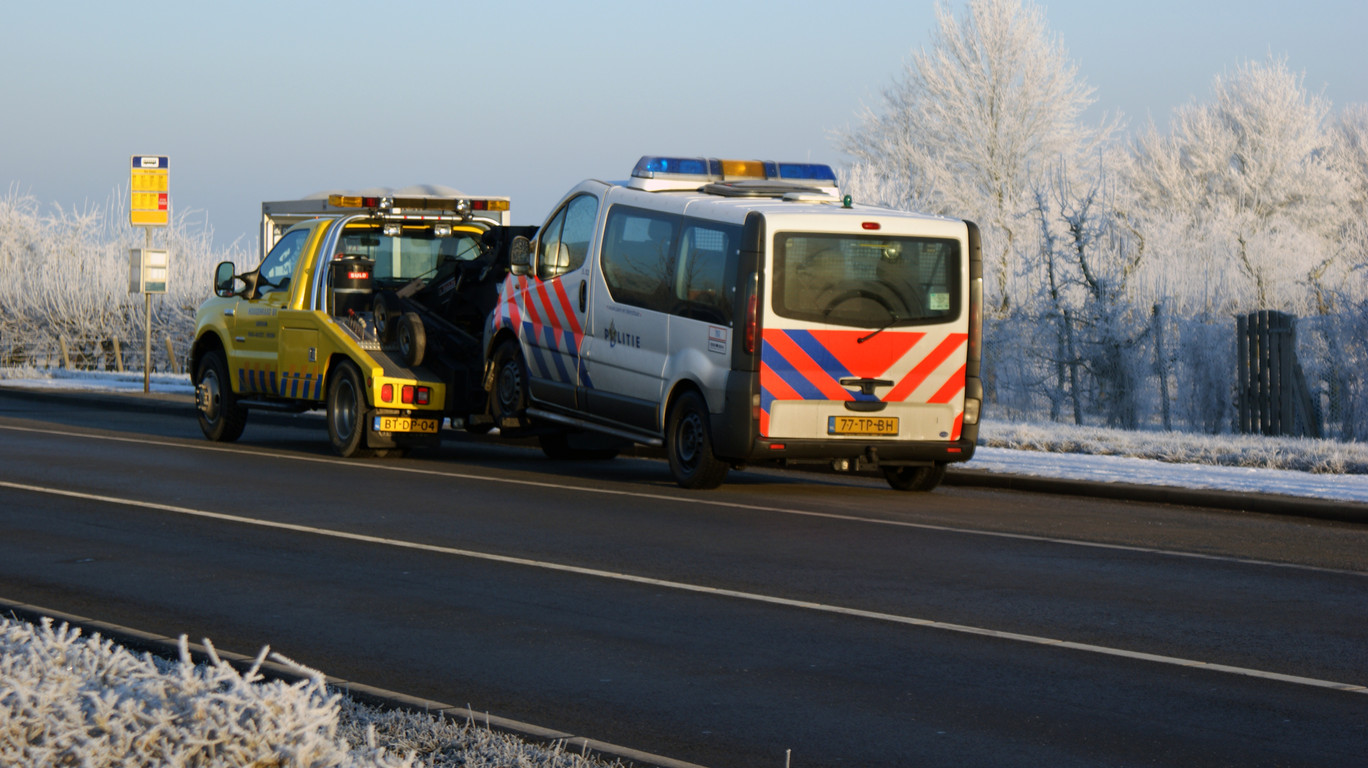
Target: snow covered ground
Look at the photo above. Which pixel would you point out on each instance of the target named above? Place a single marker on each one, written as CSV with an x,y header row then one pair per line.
x,y
1323,469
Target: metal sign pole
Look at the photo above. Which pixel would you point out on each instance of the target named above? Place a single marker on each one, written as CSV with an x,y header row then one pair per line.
x,y
147,327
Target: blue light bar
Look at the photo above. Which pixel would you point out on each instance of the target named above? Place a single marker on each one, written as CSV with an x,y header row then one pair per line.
x,y
807,171
650,165
711,169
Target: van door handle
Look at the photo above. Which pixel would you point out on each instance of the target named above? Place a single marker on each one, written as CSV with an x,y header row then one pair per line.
x,y
584,296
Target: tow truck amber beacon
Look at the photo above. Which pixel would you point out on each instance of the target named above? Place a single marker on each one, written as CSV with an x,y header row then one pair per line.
x,y
736,312
369,306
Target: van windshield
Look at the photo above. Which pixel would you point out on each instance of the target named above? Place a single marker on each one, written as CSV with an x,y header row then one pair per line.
x,y
865,281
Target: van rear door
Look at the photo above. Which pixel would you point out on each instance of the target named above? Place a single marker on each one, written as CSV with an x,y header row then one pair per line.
x,y
865,332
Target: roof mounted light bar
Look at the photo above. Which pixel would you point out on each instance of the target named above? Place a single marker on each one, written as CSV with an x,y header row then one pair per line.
x,y
421,207
656,172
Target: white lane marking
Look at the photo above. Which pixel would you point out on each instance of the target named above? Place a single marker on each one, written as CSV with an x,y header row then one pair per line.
x,y
694,500
694,588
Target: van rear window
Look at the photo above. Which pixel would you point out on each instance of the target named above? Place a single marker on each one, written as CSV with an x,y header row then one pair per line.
x,y
866,281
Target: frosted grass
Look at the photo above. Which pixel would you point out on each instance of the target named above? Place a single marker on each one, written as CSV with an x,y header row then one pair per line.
x,y
71,700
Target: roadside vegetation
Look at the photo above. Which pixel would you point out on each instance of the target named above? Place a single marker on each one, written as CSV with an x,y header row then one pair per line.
x,y
71,700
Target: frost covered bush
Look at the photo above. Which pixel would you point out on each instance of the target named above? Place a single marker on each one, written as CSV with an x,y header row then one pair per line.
x,y
70,700
1304,454
64,274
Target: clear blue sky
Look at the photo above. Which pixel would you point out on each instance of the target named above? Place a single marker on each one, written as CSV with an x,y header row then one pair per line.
x,y
261,101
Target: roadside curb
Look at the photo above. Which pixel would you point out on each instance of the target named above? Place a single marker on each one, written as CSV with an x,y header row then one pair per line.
x,y
1235,501
169,648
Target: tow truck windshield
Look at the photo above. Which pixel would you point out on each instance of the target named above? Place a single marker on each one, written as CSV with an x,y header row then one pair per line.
x,y
414,253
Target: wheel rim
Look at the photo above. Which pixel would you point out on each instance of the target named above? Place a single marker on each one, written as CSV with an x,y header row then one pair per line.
x,y
689,441
510,386
211,401
344,410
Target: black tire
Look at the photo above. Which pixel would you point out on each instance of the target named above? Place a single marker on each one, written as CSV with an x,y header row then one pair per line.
x,y
382,313
220,417
508,401
347,411
580,446
412,339
688,444
921,479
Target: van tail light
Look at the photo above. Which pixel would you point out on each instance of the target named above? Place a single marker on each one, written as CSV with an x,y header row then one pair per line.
x,y
752,329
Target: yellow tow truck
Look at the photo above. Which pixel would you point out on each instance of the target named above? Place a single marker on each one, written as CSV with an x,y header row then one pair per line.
x,y
369,306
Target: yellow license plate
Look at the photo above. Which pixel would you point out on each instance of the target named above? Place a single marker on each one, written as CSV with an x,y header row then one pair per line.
x,y
405,424
862,425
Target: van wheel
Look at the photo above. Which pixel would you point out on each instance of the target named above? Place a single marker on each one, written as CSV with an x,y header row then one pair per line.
x,y
508,401
688,444
220,417
412,339
915,478
346,411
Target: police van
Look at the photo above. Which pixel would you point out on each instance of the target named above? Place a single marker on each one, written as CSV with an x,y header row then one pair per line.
x,y
737,312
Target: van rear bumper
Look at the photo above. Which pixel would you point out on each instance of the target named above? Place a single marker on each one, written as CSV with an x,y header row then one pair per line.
x,y
736,437
868,453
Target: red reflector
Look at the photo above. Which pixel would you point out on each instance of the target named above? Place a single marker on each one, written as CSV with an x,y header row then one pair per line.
x,y
776,446
387,393
870,225
407,395
952,450
424,395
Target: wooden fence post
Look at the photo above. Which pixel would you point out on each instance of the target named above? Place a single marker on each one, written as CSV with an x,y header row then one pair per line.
x,y
66,356
118,355
172,364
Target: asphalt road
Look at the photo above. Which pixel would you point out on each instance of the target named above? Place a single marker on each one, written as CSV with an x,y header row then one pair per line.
x,y
826,618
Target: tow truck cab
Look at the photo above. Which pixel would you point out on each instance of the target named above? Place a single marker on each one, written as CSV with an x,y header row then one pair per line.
x,y
366,305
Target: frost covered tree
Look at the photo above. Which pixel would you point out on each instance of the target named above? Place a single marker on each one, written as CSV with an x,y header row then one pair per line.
x,y
972,123
1254,166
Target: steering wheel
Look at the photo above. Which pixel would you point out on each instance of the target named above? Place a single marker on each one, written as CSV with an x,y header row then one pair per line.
x,y
849,290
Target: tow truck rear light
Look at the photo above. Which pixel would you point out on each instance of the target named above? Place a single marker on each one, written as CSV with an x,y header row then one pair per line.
x,y
353,201
387,393
412,395
488,205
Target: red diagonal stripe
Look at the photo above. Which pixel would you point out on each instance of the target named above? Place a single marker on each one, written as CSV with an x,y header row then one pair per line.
x,y
918,374
805,366
567,308
951,389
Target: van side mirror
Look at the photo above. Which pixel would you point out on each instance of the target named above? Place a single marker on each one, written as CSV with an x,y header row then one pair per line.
x,y
520,256
224,277
554,264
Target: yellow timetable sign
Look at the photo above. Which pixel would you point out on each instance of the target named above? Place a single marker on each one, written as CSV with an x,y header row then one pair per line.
x,y
149,200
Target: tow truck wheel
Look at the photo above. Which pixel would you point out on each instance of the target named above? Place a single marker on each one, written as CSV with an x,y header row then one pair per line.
x,y
412,339
914,478
346,410
220,417
688,445
508,401
383,315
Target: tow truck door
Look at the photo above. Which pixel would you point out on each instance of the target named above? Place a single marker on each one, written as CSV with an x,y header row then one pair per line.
x,y
256,326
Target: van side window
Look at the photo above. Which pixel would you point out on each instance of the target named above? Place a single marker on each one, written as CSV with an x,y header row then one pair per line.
x,y
638,263
565,240
705,276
